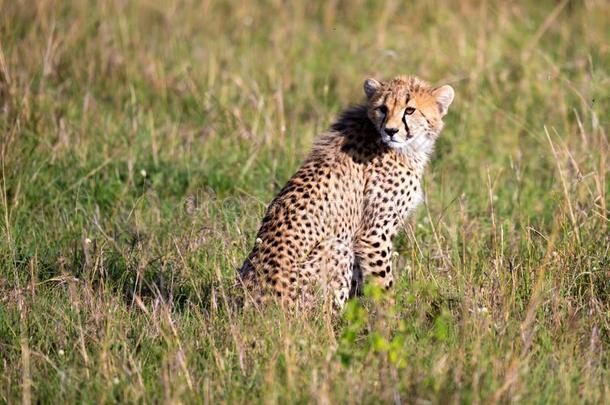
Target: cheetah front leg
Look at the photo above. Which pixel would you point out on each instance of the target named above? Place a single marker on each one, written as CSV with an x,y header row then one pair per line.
x,y
373,252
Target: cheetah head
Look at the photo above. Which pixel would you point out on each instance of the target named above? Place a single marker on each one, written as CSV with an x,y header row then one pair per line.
x,y
407,111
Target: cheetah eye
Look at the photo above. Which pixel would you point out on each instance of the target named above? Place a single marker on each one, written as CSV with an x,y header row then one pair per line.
x,y
382,109
409,110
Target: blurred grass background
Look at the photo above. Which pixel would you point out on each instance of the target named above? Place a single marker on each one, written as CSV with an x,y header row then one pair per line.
x,y
141,141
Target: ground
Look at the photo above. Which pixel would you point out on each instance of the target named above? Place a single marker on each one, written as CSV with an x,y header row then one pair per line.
x,y
142,140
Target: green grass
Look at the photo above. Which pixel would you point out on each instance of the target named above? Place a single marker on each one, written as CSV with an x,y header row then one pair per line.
x,y
114,113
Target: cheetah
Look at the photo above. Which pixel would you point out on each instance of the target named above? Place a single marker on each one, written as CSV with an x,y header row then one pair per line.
x,y
332,225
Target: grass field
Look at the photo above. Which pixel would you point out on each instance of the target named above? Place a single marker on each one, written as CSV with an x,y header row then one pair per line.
x,y
141,141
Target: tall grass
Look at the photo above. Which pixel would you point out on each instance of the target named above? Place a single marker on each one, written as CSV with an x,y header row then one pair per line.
x,y
142,139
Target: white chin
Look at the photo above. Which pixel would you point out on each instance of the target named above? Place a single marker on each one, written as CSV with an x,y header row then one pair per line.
x,y
395,144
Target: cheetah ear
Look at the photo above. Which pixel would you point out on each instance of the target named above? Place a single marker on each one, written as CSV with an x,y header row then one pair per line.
x,y
444,97
371,86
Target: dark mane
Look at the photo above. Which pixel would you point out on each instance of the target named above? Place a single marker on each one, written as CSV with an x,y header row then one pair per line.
x,y
353,134
353,118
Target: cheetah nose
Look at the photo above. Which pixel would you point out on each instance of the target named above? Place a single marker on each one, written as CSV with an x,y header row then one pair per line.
x,y
391,131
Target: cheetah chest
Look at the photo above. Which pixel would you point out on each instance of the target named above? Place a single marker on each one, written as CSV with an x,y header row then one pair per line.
x,y
393,191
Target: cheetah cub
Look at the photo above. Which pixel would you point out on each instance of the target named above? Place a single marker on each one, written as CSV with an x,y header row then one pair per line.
x,y
331,227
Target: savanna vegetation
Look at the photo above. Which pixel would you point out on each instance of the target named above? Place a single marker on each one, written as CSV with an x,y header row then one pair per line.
x,y
141,141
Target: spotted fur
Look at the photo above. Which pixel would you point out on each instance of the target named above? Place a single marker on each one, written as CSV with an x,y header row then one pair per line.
x,y
331,227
